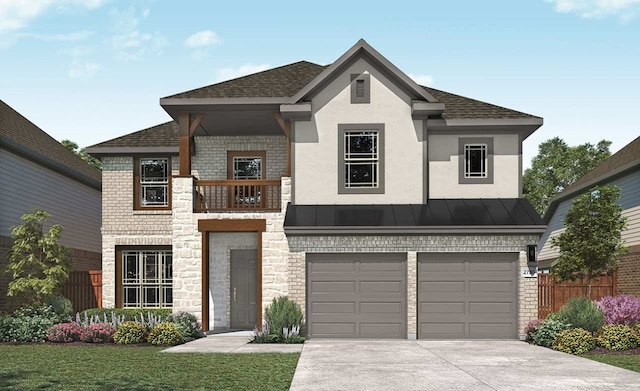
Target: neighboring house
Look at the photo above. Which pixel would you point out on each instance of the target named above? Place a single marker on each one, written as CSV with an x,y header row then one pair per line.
x,y
37,172
383,208
622,170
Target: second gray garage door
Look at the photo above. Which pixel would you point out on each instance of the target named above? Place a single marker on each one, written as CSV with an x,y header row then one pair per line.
x,y
467,295
357,295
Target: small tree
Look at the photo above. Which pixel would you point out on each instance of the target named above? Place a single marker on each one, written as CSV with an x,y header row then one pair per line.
x,y
38,265
592,240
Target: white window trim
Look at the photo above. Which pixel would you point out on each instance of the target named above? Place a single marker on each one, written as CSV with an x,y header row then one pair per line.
x,y
484,169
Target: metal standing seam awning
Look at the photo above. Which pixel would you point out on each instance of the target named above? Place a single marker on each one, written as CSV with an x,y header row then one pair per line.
x,y
513,215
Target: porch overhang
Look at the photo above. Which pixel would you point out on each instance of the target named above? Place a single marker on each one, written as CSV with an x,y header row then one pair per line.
x,y
437,217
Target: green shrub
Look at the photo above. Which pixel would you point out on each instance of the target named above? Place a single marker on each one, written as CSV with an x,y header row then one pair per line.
x,y
30,323
580,312
547,332
165,333
618,337
61,305
575,341
6,322
188,325
282,314
130,332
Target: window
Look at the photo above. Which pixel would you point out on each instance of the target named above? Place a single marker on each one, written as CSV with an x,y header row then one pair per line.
x,y
245,166
152,183
361,163
476,160
145,278
360,88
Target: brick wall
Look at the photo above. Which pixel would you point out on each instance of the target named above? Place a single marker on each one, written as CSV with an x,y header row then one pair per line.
x,y
629,272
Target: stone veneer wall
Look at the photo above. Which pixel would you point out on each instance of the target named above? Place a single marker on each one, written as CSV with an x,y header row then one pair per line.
x,y
210,160
187,248
527,287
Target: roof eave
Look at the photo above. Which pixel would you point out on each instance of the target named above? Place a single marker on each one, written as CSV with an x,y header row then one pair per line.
x,y
524,126
420,230
130,151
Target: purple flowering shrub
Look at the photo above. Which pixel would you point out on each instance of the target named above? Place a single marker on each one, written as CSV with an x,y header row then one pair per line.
x,y
64,332
98,333
623,309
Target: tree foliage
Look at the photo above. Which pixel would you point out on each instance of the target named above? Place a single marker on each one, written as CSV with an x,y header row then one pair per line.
x,y
82,153
592,240
38,265
557,166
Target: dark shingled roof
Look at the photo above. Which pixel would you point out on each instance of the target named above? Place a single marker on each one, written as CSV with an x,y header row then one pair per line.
x,y
163,135
24,134
626,155
470,213
284,81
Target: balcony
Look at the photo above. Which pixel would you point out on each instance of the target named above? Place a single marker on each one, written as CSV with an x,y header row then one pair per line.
x,y
237,195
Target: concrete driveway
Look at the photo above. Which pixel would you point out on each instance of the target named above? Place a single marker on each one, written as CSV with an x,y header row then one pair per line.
x,y
450,365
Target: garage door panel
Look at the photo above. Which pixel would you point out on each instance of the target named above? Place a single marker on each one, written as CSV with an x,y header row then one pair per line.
x,y
442,307
333,308
393,308
467,295
365,299
373,330
491,308
333,329
333,286
491,287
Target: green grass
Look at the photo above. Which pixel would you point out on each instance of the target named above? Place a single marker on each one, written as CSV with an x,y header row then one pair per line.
x,y
623,361
60,367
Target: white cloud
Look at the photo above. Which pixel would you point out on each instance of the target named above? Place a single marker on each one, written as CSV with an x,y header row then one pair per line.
x,y
81,69
223,74
16,14
202,38
130,42
424,80
593,9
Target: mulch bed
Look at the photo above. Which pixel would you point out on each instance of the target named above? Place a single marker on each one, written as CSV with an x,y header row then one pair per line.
x,y
630,352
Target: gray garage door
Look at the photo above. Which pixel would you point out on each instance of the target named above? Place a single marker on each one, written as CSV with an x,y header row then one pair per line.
x,y
357,295
467,296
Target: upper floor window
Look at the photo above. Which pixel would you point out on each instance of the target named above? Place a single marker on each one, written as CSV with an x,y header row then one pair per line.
x,y
246,165
361,160
476,160
360,88
152,183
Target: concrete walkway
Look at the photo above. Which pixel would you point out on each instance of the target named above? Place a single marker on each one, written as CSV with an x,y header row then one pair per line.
x,y
450,365
234,342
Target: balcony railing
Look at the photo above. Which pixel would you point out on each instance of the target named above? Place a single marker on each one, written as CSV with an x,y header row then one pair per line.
x,y
237,195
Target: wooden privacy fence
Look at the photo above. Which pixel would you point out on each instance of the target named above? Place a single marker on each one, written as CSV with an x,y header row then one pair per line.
x,y
552,294
84,289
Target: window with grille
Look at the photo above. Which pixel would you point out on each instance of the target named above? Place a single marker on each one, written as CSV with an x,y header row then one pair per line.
x,y
361,166
152,178
475,160
147,278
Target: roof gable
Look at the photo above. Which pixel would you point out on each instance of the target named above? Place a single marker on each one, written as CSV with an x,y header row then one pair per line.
x,y
359,50
24,137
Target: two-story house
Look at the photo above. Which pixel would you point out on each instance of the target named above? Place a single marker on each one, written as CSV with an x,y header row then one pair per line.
x,y
37,172
384,208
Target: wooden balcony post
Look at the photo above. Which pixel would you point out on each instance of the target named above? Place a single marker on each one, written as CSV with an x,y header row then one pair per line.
x,y
185,144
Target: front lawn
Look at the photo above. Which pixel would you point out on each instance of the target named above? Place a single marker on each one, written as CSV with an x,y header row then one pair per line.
x,y
81,367
626,361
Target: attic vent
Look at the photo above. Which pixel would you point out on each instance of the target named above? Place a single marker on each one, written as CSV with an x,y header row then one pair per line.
x,y
360,88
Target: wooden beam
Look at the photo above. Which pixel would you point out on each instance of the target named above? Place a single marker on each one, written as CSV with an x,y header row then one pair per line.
x,y
205,281
195,123
244,225
259,282
185,144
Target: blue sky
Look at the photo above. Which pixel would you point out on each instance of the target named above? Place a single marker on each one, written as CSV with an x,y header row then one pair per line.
x,y
92,70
